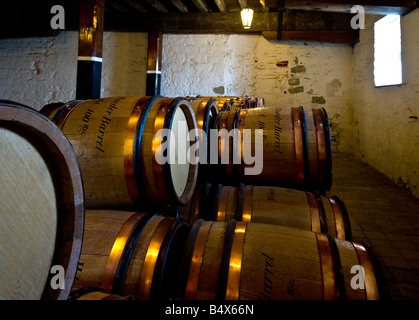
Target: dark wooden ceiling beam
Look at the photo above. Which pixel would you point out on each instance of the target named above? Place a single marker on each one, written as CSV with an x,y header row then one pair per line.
x,y
136,5
221,4
315,20
330,36
112,6
31,19
334,27
370,6
156,4
243,3
295,25
201,5
195,22
180,6
264,7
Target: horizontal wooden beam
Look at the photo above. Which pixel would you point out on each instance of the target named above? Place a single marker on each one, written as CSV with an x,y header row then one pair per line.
x,y
330,36
31,19
198,23
332,27
371,6
295,25
294,20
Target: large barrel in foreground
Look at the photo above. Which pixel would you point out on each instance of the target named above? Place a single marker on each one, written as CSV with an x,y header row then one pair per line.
x,y
132,253
97,293
133,152
42,206
248,261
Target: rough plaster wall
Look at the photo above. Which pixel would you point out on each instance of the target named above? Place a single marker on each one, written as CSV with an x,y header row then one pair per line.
x,y
124,64
388,139
284,73
37,71
193,65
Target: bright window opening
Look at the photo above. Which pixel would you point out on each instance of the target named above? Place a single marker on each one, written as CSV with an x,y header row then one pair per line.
x,y
387,51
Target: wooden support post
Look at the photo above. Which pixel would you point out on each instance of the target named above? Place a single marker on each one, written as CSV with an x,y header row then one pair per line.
x,y
154,54
89,62
281,9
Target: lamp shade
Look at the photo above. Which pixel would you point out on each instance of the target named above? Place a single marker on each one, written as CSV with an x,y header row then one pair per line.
x,y
247,16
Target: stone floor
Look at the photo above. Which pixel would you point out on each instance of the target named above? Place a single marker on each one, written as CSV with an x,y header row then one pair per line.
x,y
384,216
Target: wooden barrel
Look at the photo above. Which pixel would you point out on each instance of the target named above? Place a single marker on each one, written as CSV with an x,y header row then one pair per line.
x,y
352,257
42,206
227,103
271,205
97,293
248,261
223,102
50,110
200,273
129,253
283,206
284,146
124,161
224,170
245,102
256,102
103,229
296,148
203,204
319,149
229,120
206,111
240,103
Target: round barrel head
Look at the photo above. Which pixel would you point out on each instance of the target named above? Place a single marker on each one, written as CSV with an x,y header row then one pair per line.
x,y
42,207
183,169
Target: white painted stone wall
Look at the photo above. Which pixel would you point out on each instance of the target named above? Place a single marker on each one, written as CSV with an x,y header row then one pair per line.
x,y
124,64
387,138
37,71
372,123
284,73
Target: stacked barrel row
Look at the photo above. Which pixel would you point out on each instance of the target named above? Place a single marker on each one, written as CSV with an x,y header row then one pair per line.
x,y
243,225
270,205
117,145
150,231
296,143
149,256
